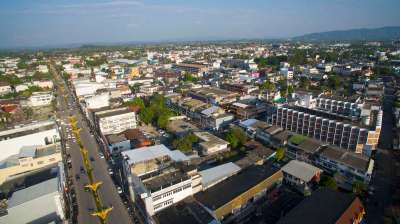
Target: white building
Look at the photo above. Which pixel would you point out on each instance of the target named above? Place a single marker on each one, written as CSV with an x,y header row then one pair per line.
x,y
288,74
42,201
301,175
40,99
114,121
5,88
210,144
36,134
97,101
156,179
47,84
42,68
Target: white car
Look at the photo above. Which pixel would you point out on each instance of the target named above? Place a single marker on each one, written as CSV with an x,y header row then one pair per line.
x,y
119,190
101,155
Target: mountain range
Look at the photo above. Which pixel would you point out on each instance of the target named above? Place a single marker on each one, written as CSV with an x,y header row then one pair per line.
x,y
378,34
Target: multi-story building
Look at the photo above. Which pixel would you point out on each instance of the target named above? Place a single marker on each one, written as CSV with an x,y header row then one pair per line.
x,y
113,121
37,134
196,69
213,95
352,126
40,202
246,109
347,167
159,177
30,158
128,139
40,99
300,175
206,115
239,88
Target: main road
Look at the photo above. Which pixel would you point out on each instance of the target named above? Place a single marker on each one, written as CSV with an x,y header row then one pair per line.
x,y
382,178
107,191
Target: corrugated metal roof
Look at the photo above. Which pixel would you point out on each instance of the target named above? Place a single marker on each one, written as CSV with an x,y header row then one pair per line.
x,y
216,174
30,193
147,153
301,170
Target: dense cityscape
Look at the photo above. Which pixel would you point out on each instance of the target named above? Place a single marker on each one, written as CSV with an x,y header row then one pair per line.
x,y
285,131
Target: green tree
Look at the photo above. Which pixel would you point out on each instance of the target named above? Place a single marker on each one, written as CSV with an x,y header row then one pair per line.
x,y
137,101
135,88
236,137
298,58
28,111
280,154
22,65
146,115
268,85
290,90
189,78
305,83
185,144
329,182
359,187
333,82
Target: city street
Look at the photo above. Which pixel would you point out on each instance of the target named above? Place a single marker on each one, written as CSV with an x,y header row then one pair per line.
x,y
384,168
107,191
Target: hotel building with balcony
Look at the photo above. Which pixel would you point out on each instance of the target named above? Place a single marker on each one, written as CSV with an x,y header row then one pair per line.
x,y
352,125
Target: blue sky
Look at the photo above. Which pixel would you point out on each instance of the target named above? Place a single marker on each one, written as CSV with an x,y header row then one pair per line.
x,y
57,22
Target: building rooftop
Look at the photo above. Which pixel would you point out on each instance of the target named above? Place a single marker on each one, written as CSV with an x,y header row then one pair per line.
x,y
184,212
129,134
301,170
324,206
27,129
306,144
33,192
151,152
355,160
214,175
165,179
180,127
113,112
209,140
227,190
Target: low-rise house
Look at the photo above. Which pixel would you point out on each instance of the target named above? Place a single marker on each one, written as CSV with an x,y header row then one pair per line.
x,y
346,166
180,128
126,140
326,206
300,175
302,148
256,154
210,144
